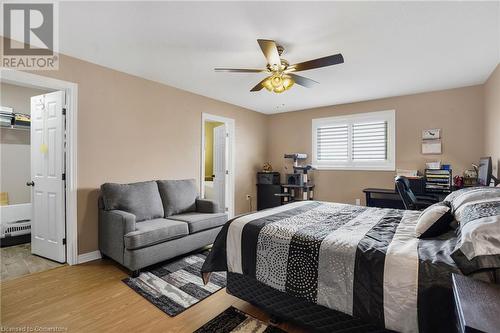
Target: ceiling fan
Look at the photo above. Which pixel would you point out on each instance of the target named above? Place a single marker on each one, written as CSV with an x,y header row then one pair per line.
x,y
281,73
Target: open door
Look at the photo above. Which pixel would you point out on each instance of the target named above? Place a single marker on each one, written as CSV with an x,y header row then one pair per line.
x,y
48,225
220,158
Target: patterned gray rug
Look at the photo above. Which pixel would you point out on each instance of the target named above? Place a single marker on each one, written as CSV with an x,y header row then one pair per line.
x,y
233,320
174,286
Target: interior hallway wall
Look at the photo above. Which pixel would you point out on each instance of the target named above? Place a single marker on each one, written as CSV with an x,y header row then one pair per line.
x,y
209,147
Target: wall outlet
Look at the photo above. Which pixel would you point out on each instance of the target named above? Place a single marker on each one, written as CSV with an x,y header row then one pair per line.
x,y
249,197
358,202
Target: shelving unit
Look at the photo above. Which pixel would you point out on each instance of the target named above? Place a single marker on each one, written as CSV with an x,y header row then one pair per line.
x,y
292,193
438,180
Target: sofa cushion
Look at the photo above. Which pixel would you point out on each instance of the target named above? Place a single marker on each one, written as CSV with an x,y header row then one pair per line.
x,y
154,231
178,196
141,199
201,221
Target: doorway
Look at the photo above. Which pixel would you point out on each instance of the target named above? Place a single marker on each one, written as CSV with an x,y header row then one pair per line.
x,y
38,208
217,164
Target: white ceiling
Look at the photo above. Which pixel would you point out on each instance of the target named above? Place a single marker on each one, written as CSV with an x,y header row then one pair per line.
x,y
390,48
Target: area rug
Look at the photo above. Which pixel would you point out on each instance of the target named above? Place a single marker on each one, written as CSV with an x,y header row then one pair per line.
x,y
234,320
174,286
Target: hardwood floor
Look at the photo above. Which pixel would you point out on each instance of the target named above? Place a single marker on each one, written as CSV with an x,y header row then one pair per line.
x,y
91,298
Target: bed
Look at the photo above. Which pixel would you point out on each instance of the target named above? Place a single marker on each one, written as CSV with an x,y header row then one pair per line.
x,y
339,268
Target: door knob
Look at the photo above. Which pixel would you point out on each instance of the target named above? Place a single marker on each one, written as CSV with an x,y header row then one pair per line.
x,y
31,183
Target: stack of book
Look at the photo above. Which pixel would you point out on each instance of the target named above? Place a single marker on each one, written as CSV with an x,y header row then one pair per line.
x,y
6,116
438,180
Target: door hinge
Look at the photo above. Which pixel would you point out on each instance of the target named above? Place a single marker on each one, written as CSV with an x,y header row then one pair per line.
x,y
63,176
64,111
227,172
64,241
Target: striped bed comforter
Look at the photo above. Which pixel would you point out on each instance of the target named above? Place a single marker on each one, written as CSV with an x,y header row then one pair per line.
x,y
362,261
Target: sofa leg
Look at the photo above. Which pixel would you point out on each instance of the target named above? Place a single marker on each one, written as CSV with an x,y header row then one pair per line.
x,y
135,273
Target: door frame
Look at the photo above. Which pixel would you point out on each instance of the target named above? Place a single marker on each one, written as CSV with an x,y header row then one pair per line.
x,y
71,93
230,125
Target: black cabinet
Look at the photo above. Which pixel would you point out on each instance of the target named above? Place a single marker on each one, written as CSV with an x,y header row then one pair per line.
x,y
266,196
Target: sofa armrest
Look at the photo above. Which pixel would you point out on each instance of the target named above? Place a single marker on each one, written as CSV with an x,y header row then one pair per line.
x,y
113,226
206,206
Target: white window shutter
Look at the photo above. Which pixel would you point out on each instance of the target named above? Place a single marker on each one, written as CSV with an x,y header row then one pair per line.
x,y
369,141
332,143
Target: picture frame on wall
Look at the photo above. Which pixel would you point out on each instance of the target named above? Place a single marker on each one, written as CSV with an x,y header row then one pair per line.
x,y
431,134
431,147
431,141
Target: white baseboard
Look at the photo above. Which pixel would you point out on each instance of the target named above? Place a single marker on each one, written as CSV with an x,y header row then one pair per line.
x,y
89,256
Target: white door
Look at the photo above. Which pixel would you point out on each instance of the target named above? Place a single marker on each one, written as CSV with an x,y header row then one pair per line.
x,y
48,227
220,157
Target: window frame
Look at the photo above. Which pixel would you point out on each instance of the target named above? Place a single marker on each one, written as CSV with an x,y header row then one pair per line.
x,y
387,165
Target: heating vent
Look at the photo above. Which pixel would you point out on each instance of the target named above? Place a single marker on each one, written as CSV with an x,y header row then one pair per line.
x,y
16,228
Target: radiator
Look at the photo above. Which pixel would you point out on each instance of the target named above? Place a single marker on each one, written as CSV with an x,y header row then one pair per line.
x,y
16,228
15,220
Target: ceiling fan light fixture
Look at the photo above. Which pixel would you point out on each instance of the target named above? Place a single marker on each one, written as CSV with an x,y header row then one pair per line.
x,y
276,80
268,84
288,82
279,89
278,83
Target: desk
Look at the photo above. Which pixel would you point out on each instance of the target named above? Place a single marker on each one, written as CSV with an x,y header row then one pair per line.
x,y
389,198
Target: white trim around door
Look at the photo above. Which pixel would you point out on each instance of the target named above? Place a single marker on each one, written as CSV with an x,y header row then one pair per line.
x,y
230,186
71,89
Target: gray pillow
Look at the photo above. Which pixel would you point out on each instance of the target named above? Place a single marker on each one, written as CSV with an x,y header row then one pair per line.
x,y
464,196
478,246
141,199
178,196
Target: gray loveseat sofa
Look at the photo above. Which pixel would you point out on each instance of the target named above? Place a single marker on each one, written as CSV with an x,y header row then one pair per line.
x,y
144,223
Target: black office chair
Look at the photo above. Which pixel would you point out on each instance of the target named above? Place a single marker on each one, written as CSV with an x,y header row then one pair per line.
x,y
410,201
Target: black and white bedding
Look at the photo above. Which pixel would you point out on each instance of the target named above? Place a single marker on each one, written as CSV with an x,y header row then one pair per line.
x,y
366,262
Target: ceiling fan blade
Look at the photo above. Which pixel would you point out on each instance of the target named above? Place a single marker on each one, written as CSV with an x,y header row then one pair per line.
x,y
259,86
303,81
270,51
317,63
240,70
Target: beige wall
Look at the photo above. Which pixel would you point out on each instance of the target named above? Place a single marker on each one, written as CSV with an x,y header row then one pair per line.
x,y
131,129
492,118
458,112
15,145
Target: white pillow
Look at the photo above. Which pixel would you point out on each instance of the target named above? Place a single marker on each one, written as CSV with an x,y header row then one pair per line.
x,y
434,220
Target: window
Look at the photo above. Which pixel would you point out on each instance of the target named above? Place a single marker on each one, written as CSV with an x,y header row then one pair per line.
x,y
363,141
